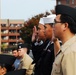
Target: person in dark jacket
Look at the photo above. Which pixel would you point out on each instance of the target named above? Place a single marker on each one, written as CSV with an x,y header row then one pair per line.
x,y
38,39
52,47
44,52
17,72
6,62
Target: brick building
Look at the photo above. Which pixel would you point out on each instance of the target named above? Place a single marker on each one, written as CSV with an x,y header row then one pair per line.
x,y
71,3
10,31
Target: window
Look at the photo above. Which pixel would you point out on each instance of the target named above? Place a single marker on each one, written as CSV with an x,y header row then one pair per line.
x,y
19,31
72,1
67,1
19,25
12,31
3,25
59,2
4,37
12,37
11,25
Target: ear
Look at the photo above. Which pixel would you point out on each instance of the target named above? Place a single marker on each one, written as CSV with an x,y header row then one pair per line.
x,y
66,26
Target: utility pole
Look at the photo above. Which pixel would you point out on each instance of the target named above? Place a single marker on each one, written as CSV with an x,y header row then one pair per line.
x,y
0,9
0,26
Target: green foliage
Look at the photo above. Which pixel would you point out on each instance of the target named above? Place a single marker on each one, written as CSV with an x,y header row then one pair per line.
x,y
4,46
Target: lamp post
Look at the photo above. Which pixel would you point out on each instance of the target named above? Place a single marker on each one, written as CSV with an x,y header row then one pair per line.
x,y
0,9
0,26
16,43
0,35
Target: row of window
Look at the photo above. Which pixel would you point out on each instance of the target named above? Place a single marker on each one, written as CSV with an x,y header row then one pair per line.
x,y
12,25
67,1
10,31
11,43
5,38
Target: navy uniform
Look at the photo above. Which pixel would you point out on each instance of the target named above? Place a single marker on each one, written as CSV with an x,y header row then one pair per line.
x,y
44,63
17,72
37,49
44,57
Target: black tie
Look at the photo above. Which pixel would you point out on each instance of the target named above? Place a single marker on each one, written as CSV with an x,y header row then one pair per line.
x,y
58,53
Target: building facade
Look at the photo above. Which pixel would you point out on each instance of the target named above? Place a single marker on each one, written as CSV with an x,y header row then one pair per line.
x,y
71,3
10,31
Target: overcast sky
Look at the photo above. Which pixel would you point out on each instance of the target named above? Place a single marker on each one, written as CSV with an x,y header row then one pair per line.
x,y
24,9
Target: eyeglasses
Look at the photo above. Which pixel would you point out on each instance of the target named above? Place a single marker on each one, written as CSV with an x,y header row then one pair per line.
x,y
56,21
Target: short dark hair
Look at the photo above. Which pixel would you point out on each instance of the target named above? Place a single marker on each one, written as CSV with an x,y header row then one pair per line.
x,y
14,49
8,67
51,25
72,24
2,65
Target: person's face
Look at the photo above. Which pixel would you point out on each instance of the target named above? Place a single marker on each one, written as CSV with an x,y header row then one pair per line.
x,y
15,53
22,51
48,31
41,35
58,27
3,70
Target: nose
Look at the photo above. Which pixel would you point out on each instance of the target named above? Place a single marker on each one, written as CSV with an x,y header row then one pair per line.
x,y
53,25
44,32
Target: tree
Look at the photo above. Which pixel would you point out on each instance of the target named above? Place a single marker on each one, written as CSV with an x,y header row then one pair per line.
x,y
4,46
26,31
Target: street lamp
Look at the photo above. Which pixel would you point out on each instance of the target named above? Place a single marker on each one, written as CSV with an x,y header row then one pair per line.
x,y
0,9
0,26
16,42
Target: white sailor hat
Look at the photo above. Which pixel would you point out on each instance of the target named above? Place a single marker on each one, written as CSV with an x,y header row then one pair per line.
x,y
41,21
49,19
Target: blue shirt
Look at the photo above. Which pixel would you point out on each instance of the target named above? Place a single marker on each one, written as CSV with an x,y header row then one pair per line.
x,y
16,63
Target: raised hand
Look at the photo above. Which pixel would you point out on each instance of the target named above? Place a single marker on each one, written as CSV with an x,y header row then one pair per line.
x,y
34,35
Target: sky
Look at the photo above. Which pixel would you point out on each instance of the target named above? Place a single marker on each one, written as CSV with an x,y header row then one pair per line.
x,y
25,9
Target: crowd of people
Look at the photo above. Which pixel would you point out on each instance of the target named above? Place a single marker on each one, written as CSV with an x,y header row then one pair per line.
x,y
53,47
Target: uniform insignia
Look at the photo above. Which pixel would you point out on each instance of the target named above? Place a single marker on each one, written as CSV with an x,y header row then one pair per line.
x,y
58,53
49,50
19,46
